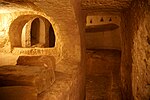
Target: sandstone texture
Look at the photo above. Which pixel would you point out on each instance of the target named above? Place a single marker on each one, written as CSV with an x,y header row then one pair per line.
x,y
103,80
46,61
38,77
135,52
18,93
16,19
106,4
61,90
31,61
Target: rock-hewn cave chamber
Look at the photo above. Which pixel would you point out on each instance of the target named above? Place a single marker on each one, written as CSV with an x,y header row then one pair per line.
x,y
74,50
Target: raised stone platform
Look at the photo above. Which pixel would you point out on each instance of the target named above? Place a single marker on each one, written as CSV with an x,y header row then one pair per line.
x,y
62,89
39,77
46,61
18,93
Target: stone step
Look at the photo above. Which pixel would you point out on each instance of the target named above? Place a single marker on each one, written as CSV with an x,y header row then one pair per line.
x,y
39,77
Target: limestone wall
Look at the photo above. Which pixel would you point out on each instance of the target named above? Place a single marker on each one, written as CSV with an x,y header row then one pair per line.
x,y
80,17
63,16
140,52
126,59
102,62
135,52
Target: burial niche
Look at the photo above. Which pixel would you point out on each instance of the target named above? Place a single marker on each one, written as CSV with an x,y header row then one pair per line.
x,y
42,33
37,32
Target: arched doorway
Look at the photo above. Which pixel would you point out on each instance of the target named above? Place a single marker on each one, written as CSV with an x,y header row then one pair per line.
x,y
35,32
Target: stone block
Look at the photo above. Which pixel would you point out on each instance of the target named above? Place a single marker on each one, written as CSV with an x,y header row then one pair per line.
x,y
61,90
39,77
47,61
18,93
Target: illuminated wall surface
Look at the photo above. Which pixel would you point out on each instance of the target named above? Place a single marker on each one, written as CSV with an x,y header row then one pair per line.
x,y
74,49
103,31
35,30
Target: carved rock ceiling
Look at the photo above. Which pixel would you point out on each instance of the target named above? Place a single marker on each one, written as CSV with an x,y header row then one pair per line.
x,y
105,4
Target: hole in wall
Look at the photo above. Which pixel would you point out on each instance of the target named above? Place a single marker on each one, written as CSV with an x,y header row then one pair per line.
x,y
102,19
110,20
42,36
148,40
91,21
51,37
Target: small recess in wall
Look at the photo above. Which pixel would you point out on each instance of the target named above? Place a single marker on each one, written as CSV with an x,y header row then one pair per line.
x,y
110,20
91,21
102,19
148,40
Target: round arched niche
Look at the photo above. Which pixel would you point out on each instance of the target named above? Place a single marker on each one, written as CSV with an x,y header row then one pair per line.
x,y
32,31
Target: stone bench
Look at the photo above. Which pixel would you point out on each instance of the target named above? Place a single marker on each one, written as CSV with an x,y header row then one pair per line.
x,y
18,93
39,77
30,77
47,61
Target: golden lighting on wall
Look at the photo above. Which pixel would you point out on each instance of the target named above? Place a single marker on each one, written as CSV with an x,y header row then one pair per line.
x,y
3,25
2,34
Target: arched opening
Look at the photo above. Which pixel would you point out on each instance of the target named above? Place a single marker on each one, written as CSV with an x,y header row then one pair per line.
x,y
32,32
68,54
42,33
35,31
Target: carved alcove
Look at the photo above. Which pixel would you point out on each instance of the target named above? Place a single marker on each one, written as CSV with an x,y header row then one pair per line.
x,y
38,32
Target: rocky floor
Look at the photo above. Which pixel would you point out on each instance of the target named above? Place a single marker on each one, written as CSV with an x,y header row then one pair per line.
x,y
98,87
102,83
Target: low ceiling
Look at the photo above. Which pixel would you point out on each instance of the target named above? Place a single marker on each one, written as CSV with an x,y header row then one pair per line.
x,y
105,4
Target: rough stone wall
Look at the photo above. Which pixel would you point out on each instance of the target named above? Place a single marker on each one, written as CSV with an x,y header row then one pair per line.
x,y
63,14
106,4
140,52
63,17
102,61
126,59
80,17
135,56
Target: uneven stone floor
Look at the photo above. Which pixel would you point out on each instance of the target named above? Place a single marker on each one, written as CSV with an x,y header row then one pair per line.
x,y
98,87
103,78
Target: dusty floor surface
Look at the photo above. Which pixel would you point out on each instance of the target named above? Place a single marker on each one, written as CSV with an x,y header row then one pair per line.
x,y
104,84
98,87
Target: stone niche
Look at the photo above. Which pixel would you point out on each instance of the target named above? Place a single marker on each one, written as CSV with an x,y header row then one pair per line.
x,y
37,32
103,31
23,29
